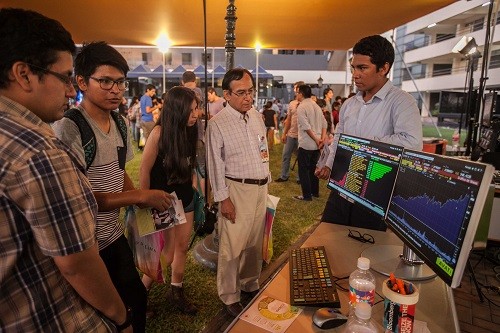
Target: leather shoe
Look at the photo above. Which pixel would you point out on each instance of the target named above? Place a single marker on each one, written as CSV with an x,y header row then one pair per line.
x,y
250,294
280,180
234,309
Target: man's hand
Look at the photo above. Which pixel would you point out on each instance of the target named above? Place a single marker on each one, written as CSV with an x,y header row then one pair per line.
x,y
158,199
283,138
227,210
322,173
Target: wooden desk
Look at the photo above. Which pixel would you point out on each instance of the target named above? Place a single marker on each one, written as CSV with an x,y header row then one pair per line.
x,y
436,305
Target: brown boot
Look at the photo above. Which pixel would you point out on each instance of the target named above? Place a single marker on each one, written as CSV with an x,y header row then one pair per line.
x,y
176,294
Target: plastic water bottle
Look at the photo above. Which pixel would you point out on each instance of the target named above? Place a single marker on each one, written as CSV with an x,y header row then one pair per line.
x,y
455,142
361,321
361,284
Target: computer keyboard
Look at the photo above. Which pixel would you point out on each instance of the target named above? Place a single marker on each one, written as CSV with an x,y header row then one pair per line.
x,y
311,281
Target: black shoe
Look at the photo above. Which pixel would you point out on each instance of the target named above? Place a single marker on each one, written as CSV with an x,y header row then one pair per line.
x,y
250,294
281,180
234,309
176,295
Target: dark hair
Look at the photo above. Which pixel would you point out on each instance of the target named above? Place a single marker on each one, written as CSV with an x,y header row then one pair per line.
x,y
212,90
378,48
298,83
235,74
335,104
337,97
95,54
305,90
268,105
326,91
177,144
321,103
188,76
150,86
28,36
134,101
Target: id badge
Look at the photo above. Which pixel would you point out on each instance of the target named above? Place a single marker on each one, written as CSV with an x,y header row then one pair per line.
x,y
264,153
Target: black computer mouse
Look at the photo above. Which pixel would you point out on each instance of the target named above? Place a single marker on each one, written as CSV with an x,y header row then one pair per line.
x,y
326,318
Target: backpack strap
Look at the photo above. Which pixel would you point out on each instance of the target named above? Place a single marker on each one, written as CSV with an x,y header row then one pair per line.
x,y
122,127
89,142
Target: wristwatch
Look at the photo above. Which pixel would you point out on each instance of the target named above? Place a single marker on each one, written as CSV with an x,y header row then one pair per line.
x,y
126,323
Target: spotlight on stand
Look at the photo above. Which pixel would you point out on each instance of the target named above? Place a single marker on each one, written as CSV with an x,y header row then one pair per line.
x,y
467,47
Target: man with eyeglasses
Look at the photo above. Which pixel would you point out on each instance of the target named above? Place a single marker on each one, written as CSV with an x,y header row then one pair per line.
x,y
238,167
101,75
52,278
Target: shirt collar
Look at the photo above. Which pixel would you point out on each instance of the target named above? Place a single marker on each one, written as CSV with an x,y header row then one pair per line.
x,y
381,94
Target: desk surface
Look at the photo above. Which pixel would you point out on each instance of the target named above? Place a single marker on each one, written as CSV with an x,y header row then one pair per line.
x,y
436,306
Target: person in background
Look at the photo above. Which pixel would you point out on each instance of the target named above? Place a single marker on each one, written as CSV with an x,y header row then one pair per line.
x,y
168,164
101,75
335,115
147,108
322,104
312,134
122,108
270,118
290,136
328,96
157,105
238,165
132,117
52,278
215,103
338,99
379,111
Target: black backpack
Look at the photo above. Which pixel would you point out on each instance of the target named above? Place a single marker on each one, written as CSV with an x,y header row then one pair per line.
x,y
89,142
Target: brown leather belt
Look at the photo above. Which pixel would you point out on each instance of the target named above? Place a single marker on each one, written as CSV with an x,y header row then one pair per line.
x,y
259,182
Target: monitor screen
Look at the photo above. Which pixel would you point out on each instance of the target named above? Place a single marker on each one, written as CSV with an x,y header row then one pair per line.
x,y
488,108
364,171
435,209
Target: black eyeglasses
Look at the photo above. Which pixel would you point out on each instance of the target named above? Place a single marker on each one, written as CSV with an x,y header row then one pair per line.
x,y
363,238
107,84
243,93
66,79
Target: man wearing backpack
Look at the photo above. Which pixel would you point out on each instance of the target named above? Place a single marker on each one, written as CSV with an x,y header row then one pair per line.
x,y
101,75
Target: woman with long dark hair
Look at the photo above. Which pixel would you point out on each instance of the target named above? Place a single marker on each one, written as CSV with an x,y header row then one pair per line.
x,y
168,163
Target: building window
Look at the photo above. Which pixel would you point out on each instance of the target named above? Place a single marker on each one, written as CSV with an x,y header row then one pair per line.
x,y
146,57
168,58
301,52
285,51
475,25
187,58
208,56
318,52
495,59
441,69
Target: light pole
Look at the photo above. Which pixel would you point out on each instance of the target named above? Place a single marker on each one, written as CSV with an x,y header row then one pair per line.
x,y
320,85
257,51
163,45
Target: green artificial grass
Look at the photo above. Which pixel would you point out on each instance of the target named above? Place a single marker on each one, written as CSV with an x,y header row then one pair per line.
x,y
292,219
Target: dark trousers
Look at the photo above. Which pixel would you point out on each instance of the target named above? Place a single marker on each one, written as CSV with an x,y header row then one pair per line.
x,y
309,183
119,261
340,211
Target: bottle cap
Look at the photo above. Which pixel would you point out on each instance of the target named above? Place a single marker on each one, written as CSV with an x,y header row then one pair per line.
x,y
363,263
363,310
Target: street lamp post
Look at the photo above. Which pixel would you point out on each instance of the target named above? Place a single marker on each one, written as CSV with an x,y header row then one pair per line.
x,y
163,45
320,85
257,51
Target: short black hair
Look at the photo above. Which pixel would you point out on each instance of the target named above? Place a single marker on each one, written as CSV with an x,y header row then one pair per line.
x,y
29,36
378,48
150,86
188,76
305,90
235,74
326,91
95,54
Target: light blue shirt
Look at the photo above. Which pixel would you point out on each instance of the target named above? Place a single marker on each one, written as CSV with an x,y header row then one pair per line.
x,y
390,116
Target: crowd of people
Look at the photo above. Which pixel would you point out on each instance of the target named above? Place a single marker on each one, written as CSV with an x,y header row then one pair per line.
x,y
66,264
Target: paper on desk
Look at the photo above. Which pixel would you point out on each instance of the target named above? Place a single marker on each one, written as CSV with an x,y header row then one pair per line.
x,y
271,314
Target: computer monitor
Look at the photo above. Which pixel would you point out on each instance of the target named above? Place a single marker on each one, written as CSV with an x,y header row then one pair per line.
x,y
489,106
364,171
435,209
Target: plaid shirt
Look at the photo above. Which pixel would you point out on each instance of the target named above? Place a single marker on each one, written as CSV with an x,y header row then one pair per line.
x,y
46,209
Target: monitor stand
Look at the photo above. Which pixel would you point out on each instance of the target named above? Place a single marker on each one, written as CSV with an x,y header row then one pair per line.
x,y
400,260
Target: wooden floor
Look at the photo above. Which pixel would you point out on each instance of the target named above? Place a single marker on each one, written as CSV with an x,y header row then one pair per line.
x,y
474,316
